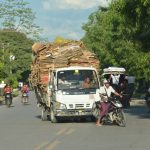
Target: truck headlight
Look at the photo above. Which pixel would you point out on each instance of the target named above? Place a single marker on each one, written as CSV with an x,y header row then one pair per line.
x,y
62,106
59,105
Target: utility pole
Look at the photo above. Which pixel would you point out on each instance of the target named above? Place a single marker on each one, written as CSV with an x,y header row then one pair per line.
x,y
11,57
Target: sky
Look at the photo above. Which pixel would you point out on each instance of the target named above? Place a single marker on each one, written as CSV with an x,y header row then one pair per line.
x,y
63,17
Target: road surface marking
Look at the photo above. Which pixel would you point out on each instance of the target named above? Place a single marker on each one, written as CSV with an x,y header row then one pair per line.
x,y
52,145
41,146
70,131
61,131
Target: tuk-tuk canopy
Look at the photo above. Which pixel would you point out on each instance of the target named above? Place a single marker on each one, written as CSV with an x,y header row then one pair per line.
x,y
114,70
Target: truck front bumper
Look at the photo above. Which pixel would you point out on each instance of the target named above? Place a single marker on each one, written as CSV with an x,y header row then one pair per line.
x,y
73,112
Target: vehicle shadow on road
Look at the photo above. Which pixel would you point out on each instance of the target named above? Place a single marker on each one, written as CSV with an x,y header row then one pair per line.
x,y
76,120
3,104
71,120
38,117
12,106
140,111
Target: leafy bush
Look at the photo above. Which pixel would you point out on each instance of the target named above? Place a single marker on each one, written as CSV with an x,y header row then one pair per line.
x,y
15,93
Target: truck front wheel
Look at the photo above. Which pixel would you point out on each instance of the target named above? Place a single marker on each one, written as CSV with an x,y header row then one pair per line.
x,y
53,117
43,115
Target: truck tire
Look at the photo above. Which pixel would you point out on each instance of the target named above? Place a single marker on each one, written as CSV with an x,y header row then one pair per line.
x,y
53,117
43,115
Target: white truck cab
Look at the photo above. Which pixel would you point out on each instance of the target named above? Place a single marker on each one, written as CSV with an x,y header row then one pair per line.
x,y
70,95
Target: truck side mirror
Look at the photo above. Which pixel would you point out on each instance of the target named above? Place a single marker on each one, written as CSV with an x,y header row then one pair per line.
x,y
51,87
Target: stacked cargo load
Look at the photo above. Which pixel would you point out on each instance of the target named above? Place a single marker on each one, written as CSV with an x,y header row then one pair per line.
x,y
47,57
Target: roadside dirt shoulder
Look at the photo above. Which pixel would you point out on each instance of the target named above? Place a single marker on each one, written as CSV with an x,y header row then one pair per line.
x,y
135,101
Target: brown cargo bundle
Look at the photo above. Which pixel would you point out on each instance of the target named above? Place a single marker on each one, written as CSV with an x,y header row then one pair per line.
x,y
52,55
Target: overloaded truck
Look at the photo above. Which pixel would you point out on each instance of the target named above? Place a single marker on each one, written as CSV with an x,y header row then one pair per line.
x,y
58,75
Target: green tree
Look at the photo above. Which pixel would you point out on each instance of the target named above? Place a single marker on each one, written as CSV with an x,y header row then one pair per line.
x,y
114,34
14,44
17,22
1,61
16,15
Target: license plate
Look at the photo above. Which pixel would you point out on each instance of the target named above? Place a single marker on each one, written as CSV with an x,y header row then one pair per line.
x,y
7,96
24,94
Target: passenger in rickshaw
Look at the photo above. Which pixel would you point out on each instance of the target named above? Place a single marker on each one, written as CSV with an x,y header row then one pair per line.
x,y
124,90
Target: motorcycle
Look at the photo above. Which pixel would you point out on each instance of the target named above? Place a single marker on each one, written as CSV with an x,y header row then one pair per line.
x,y
147,98
24,98
8,99
115,114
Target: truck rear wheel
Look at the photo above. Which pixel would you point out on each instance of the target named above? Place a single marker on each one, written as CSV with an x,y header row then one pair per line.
x,y
43,115
53,117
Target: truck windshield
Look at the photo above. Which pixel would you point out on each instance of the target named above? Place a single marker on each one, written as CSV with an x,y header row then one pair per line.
x,y
77,79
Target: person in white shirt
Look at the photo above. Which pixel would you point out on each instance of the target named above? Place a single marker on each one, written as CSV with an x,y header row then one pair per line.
x,y
115,79
105,93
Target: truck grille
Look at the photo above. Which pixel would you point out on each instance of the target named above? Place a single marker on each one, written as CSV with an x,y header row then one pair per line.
x,y
87,105
78,106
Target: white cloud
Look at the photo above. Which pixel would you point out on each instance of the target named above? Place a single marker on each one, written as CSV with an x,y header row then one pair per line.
x,y
67,23
46,5
73,4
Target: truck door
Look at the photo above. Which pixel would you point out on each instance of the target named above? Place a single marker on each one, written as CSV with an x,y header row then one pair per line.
x,y
52,86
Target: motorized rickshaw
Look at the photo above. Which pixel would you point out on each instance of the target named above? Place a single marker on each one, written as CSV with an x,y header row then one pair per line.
x,y
121,82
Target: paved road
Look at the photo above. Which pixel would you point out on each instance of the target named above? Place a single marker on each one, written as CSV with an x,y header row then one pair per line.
x,y
22,129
